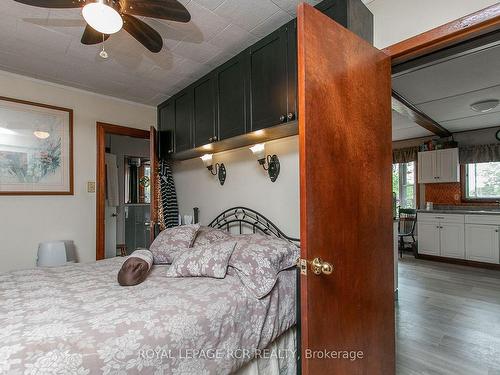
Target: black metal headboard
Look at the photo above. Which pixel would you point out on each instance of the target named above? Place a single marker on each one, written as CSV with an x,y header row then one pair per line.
x,y
242,217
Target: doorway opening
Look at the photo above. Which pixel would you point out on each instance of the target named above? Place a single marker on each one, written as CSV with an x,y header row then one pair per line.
x,y
124,190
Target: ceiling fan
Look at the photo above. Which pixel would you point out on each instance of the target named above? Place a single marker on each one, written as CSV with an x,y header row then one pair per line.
x,y
106,17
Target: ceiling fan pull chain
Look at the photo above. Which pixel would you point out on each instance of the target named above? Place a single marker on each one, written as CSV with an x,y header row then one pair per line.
x,y
103,52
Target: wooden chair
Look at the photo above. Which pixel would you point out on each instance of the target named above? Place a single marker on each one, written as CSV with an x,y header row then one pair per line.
x,y
407,224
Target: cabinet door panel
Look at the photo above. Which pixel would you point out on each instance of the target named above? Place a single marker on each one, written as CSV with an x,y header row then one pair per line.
x,y
482,243
447,165
452,240
232,98
269,82
428,238
184,121
204,112
426,167
166,127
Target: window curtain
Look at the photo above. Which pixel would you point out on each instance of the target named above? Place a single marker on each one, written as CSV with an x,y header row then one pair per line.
x,y
168,207
479,153
405,155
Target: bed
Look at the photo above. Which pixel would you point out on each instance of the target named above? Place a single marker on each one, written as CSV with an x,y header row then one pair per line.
x,y
76,319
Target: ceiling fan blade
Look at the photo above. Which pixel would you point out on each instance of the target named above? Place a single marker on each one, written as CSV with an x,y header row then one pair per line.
x,y
171,10
61,4
90,36
143,33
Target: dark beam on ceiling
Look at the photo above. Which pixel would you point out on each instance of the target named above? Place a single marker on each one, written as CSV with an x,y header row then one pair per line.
x,y
405,108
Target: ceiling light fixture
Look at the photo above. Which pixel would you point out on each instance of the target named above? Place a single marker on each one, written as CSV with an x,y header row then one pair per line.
x,y
102,18
485,105
41,134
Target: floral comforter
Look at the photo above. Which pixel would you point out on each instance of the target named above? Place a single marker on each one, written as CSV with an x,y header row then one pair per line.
x,y
76,319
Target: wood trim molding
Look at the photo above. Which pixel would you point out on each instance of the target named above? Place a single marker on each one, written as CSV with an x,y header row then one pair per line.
x,y
71,158
473,25
405,108
462,262
101,130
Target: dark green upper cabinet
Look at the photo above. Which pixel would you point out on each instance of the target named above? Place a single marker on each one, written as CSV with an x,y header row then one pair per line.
x,y
232,104
166,121
269,80
184,121
255,90
204,112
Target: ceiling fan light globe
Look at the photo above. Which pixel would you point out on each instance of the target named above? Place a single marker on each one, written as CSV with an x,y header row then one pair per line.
x,y
102,18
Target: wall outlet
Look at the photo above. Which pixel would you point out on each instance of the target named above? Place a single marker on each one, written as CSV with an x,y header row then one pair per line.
x,y
91,187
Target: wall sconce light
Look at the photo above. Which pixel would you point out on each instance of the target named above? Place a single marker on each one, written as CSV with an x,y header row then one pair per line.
x,y
272,161
216,170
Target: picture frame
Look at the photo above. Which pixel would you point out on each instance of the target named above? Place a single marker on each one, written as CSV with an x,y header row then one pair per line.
x,y
36,148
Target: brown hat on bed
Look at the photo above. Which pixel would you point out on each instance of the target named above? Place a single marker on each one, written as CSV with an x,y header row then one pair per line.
x,y
136,268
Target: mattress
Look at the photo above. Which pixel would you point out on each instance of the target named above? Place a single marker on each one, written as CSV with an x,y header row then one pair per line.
x,y
77,319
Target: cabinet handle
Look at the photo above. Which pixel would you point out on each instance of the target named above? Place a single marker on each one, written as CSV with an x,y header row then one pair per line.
x,y
291,116
282,118
496,230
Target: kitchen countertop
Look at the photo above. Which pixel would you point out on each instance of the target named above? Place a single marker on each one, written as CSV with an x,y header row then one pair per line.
x,y
461,211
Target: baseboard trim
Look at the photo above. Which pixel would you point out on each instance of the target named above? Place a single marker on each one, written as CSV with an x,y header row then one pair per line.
x,y
462,262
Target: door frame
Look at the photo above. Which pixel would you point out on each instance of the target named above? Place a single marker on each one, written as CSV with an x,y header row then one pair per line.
x,y
461,30
102,129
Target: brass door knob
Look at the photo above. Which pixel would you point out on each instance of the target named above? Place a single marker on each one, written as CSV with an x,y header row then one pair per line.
x,y
319,267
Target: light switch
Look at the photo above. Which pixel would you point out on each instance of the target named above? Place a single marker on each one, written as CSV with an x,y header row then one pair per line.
x,y
91,187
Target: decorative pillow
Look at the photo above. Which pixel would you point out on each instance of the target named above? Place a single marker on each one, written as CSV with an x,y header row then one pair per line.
x,y
208,235
209,260
171,240
258,259
136,268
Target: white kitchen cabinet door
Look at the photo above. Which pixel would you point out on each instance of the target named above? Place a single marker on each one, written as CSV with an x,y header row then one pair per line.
x,y
428,238
452,240
482,243
447,165
426,167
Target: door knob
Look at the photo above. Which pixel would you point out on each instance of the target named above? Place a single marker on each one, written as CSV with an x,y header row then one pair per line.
x,y
290,116
319,267
282,118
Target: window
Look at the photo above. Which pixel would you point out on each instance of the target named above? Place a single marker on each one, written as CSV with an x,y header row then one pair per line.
x,y
403,184
482,181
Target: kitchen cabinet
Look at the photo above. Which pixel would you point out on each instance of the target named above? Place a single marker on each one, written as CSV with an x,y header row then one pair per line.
x,y
183,121
204,112
231,92
482,243
438,166
255,90
441,235
482,238
269,80
428,238
166,121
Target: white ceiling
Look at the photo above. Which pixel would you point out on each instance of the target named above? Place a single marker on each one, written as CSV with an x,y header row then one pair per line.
x,y
45,44
445,91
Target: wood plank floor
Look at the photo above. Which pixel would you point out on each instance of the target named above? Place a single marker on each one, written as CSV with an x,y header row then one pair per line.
x,y
447,319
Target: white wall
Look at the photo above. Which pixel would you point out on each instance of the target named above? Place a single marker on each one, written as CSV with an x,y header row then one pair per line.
x,y
25,221
247,184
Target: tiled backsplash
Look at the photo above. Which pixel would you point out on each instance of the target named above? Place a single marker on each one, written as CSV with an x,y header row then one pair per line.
x,y
448,194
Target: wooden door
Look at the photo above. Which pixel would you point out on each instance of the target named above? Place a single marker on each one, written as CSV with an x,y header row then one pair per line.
x,y
345,189
452,240
204,112
153,155
232,97
269,80
184,121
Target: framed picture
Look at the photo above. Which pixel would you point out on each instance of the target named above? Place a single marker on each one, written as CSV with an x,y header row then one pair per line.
x,y
36,148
